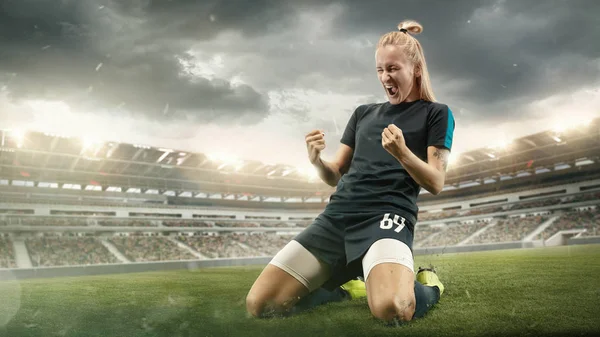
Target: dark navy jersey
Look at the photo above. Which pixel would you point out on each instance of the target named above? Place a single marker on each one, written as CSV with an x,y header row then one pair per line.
x,y
376,181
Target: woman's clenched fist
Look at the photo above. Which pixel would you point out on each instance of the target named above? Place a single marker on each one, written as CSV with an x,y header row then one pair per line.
x,y
315,143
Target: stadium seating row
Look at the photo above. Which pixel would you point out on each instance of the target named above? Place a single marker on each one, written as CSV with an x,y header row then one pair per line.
x,y
12,219
58,250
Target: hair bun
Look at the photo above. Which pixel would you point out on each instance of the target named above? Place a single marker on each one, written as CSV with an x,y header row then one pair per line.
x,y
411,26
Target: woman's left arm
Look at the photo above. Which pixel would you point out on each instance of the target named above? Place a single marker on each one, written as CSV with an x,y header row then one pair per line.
x,y
431,175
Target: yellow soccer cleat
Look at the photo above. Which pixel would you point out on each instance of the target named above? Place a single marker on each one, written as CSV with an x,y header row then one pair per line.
x,y
356,288
428,277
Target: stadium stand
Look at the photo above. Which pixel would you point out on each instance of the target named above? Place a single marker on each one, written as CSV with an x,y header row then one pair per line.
x,y
587,220
452,235
265,244
46,251
219,246
61,205
512,229
7,255
127,223
149,248
186,223
48,221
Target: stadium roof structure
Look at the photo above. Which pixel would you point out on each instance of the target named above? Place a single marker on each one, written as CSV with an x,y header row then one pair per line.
x,y
42,159
544,151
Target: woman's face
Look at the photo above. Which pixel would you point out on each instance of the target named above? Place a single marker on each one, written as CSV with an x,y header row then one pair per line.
x,y
397,74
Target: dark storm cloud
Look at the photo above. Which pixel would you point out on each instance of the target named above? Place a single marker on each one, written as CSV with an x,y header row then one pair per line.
x,y
203,20
122,56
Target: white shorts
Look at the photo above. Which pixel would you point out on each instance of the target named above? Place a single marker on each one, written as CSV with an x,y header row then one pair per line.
x,y
302,265
387,251
313,273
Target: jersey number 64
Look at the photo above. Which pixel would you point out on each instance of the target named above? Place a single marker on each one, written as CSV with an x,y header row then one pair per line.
x,y
388,223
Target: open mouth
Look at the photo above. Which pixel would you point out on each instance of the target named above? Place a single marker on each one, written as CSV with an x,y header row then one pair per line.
x,y
392,90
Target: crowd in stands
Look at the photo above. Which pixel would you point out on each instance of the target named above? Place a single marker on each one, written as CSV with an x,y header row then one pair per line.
x,y
48,221
454,234
77,250
56,251
536,203
423,216
237,224
217,246
426,216
484,210
585,197
277,224
126,223
509,230
186,223
422,232
304,223
7,255
587,219
146,248
120,222
61,250
265,244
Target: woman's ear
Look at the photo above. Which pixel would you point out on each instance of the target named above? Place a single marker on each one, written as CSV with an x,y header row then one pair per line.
x,y
417,71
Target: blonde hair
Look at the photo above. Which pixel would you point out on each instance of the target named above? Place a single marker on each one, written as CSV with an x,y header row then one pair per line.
x,y
414,52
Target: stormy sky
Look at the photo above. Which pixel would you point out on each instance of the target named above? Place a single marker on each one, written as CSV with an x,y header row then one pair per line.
x,y
251,78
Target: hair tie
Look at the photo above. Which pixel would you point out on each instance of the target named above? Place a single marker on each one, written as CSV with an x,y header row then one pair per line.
x,y
403,30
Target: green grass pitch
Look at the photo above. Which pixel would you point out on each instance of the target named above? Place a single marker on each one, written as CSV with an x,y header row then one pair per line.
x,y
532,292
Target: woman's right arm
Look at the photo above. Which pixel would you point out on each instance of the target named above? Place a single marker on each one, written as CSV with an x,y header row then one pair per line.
x,y
329,171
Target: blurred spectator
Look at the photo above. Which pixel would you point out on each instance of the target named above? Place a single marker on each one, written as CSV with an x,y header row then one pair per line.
x,y
60,251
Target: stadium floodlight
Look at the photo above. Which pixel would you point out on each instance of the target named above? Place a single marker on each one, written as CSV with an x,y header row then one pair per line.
x,y
113,148
559,128
570,123
223,157
57,135
287,171
310,172
453,158
502,144
19,136
164,155
88,142
226,160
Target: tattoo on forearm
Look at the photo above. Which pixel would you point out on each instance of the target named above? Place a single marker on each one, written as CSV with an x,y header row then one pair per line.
x,y
442,156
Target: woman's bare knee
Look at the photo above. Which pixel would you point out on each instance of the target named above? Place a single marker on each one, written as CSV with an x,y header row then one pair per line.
x,y
392,306
255,304
390,289
273,293
382,309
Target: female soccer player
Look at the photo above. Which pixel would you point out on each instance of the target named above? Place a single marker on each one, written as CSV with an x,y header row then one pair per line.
x,y
388,152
